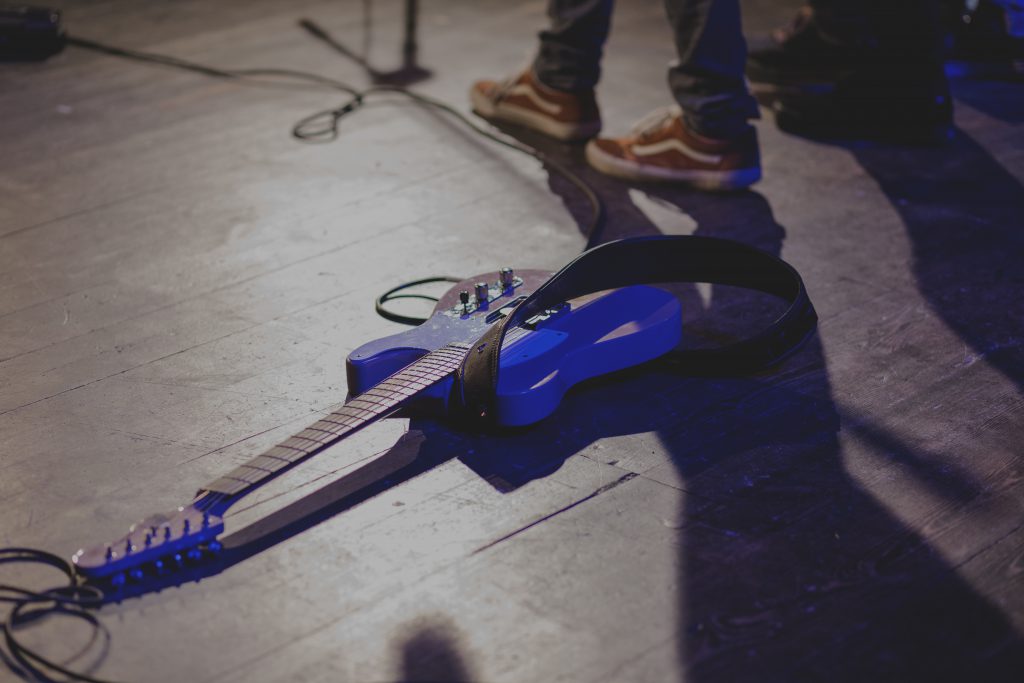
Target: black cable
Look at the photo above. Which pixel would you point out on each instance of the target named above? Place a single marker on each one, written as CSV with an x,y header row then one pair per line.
x,y
393,294
322,126
74,599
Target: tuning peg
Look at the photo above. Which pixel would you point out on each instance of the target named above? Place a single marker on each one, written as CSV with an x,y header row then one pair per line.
x,y
128,547
206,519
167,533
185,527
149,539
159,566
110,554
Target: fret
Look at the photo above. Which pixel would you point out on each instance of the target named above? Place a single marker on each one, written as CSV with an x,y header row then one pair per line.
x,y
253,466
343,417
302,435
328,420
248,474
328,434
433,366
268,462
387,394
378,401
301,445
286,454
423,374
378,404
363,410
321,427
344,425
276,458
359,403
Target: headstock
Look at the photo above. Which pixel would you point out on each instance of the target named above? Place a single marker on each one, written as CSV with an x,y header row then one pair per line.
x,y
155,545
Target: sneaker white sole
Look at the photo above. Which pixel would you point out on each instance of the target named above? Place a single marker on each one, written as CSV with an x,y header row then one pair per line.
x,y
567,132
703,179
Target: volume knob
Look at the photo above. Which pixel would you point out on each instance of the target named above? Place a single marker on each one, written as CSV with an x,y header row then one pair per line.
x,y
483,292
505,276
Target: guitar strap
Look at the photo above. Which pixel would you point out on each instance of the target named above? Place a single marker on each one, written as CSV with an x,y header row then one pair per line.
x,y
648,260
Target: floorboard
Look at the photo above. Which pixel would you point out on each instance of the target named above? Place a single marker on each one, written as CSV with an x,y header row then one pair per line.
x,y
180,282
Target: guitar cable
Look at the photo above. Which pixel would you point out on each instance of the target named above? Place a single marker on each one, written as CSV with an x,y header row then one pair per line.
x,y
323,126
76,598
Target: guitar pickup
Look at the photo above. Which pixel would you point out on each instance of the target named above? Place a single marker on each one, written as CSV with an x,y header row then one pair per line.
x,y
504,310
531,323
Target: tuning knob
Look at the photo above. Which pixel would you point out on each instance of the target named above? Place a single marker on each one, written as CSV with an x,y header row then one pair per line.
x,y
482,291
505,276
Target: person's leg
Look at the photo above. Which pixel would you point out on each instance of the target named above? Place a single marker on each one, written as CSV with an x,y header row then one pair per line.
x,y
569,58
860,68
555,96
829,38
708,79
707,141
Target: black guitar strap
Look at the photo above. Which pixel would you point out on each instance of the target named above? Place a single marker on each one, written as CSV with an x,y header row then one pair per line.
x,y
647,260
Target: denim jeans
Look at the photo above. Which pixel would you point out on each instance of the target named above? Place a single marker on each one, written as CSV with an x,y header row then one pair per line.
x,y
707,79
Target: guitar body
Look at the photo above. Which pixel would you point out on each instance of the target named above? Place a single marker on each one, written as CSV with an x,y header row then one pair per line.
x,y
586,337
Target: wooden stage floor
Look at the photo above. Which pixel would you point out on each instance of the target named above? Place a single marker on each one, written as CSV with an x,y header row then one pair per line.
x,y
180,282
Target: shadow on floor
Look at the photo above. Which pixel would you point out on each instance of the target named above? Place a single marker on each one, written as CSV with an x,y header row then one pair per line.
x,y
791,570
430,654
964,216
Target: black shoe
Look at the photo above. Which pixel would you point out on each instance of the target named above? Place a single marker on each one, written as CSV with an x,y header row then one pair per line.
x,y
804,57
893,107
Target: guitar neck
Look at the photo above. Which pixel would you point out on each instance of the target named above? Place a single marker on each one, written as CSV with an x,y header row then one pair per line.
x,y
376,403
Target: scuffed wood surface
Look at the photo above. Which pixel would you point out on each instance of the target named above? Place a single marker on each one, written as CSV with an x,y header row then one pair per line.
x,y
180,282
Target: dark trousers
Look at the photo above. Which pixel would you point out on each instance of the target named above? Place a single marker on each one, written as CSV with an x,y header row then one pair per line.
x,y
910,29
706,81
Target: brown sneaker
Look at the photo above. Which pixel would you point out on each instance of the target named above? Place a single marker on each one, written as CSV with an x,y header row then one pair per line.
x,y
526,101
661,147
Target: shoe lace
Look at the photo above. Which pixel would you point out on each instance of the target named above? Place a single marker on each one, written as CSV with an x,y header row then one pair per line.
x,y
655,121
510,81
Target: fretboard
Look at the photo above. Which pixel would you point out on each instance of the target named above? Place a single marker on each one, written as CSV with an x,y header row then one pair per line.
x,y
378,402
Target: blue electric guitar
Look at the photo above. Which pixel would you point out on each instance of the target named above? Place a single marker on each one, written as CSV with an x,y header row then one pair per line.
x,y
540,359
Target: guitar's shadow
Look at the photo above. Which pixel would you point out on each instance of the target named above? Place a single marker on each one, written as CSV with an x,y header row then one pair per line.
x,y
790,569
